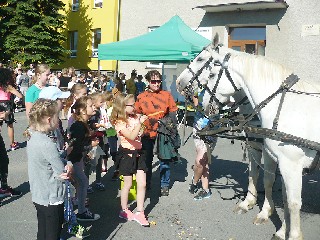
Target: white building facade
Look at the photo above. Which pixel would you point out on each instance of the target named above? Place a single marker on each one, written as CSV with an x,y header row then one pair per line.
x,y
285,31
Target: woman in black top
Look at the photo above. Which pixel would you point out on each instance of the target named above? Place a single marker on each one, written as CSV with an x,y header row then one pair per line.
x,y
64,80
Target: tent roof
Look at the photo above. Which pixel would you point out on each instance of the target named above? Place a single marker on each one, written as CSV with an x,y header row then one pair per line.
x,y
174,41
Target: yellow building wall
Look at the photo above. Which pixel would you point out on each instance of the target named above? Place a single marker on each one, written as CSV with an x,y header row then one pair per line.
x,y
84,21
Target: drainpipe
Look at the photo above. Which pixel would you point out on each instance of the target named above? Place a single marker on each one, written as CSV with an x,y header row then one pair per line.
x,y
118,29
98,67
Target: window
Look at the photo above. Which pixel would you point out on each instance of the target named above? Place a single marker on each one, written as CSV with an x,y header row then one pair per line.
x,y
96,40
248,39
73,36
98,3
75,5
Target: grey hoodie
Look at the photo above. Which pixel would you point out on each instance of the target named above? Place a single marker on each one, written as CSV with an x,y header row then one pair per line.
x,y
44,168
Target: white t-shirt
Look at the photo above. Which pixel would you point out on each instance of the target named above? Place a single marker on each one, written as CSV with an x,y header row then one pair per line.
x,y
70,84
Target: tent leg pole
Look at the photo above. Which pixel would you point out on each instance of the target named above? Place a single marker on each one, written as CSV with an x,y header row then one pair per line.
x,y
162,71
98,67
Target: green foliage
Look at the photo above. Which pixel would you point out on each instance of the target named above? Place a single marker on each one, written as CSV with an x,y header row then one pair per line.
x,y
31,31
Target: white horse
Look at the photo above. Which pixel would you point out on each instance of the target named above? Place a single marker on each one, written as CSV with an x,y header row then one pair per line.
x,y
299,115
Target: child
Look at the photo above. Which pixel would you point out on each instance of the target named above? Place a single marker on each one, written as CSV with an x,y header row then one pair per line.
x,y
7,90
45,169
97,124
55,94
203,152
79,130
91,162
111,134
77,91
72,82
130,156
39,81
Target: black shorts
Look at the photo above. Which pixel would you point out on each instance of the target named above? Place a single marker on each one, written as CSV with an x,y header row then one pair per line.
x,y
10,119
128,165
8,107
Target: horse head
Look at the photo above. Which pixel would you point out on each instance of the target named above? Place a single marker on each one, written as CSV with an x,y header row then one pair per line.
x,y
209,70
197,72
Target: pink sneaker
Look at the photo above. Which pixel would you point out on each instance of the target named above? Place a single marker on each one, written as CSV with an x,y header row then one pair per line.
x,y
141,219
14,146
126,214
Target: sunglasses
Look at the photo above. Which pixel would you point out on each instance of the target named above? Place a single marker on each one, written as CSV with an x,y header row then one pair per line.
x,y
155,81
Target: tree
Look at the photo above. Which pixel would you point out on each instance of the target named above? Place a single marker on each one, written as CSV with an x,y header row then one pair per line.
x,y
35,31
5,16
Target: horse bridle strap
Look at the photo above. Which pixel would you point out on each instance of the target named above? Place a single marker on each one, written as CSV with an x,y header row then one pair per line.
x,y
224,68
196,75
285,86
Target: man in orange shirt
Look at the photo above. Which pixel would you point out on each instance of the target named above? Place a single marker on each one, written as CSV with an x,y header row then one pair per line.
x,y
155,103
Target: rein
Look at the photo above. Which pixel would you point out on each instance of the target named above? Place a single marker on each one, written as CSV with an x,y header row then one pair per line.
x,y
241,122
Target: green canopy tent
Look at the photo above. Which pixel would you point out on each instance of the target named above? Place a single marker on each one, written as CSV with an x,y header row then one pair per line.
x,y
172,42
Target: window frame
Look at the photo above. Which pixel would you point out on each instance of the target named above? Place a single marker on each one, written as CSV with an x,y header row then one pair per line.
x,y
75,5
73,43
94,53
95,2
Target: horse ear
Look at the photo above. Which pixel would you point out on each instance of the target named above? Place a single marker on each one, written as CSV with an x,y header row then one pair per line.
x,y
215,40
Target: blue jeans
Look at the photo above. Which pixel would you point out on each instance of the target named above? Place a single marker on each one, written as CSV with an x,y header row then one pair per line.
x,y
164,173
112,145
81,186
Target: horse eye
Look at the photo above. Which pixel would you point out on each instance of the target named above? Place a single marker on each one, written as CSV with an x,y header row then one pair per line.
x,y
200,59
211,75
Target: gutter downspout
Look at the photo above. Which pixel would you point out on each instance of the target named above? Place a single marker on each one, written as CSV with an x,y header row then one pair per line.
x,y
118,30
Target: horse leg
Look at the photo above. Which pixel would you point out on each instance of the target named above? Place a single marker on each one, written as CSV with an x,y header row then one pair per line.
x,y
254,156
292,179
270,167
281,233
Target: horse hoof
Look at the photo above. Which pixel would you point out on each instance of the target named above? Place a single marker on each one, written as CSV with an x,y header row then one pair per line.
x,y
240,210
259,221
276,237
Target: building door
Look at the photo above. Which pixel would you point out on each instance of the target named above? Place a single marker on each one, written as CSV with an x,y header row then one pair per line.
x,y
248,39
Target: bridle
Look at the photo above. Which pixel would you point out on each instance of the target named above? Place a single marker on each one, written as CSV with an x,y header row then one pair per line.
x,y
195,76
223,68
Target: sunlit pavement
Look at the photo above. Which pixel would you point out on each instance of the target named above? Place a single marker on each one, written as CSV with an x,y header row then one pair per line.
x,y
177,216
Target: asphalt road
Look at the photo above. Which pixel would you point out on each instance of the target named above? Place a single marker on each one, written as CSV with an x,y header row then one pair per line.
x,y
177,216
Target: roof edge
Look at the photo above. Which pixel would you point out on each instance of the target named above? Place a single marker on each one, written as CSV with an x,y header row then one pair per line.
x,y
248,6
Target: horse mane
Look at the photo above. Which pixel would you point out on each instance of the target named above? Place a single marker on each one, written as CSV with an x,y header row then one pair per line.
x,y
266,70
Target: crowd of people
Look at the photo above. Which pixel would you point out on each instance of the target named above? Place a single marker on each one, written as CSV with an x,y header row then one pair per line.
x,y
105,117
